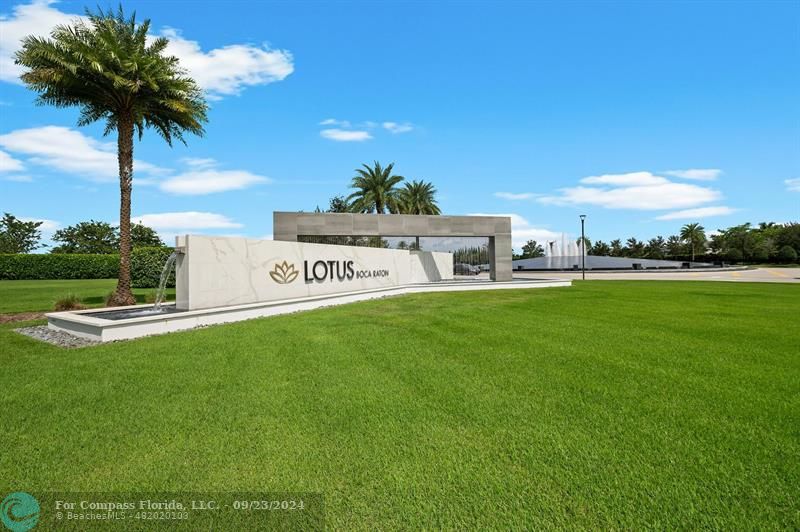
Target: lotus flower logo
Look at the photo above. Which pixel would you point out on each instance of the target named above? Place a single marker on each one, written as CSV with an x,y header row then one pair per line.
x,y
284,273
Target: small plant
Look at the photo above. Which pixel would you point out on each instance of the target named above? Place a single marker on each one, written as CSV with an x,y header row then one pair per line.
x,y
69,302
150,297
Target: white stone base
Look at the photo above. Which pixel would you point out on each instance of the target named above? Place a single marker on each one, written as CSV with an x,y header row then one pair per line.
x,y
92,327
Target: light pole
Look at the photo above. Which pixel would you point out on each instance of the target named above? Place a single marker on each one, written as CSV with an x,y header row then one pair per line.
x,y
583,249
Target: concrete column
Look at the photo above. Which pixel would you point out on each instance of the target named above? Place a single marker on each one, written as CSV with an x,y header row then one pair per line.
x,y
500,253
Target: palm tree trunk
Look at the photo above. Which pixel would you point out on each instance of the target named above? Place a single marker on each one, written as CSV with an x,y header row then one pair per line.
x,y
123,294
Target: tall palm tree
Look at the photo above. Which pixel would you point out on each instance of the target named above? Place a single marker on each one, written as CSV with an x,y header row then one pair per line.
x,y
694,234
418,197
106,68
376,189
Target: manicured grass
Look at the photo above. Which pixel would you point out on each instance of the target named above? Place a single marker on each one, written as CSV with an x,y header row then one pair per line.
x,y
606,405
39,296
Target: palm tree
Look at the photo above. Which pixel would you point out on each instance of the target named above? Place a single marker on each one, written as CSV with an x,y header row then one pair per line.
x,y
418,197
377,189
694,234
106,67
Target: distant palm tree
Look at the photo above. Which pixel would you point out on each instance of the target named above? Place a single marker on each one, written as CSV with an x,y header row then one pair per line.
x,y
694,234
418,197
376,189
107,68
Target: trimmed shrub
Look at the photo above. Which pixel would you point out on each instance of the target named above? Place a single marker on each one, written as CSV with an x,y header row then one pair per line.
x,y
58,266
146,266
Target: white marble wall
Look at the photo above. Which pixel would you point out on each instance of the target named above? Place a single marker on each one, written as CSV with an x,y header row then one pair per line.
x,y
221,271
427,266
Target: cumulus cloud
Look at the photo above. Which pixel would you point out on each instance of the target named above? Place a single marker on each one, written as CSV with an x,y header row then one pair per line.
x,y
221,71
36,18
635,191
513,196
792,185
522,230
342,135
693,214
699,174
70,151
196,182
189,220
394,127
9,164
228,70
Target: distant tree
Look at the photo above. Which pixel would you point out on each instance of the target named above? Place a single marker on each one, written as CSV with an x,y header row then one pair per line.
x,y
531,249
616,248
634,248
789,235
402,245
695,235
17,236
143,236
87,237
600,249
787,254
417,197
655,248
376,189
338,204
674,246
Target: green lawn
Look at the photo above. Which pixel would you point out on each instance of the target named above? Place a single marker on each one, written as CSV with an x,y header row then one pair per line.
x,y
620,404
39,296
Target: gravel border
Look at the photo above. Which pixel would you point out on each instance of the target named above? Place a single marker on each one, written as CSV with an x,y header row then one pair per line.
x,y
59,338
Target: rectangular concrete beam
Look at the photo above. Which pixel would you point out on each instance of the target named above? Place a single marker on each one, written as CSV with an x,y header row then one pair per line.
x,y
288,226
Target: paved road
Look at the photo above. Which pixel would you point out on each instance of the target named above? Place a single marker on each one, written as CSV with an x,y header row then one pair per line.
x,y
760,275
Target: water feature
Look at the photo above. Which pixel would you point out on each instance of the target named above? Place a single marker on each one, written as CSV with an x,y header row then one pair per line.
x,y
158,307
162,282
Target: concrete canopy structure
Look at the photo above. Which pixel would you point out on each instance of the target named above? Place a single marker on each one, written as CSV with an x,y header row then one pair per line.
x,y
289,226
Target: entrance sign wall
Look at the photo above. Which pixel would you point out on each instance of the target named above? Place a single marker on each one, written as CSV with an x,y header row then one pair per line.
x,y
223,271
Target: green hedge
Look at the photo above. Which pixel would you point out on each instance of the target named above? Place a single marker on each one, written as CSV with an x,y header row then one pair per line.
x,y
58,266
146,266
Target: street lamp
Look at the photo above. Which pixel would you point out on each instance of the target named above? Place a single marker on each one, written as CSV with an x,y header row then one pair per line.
x,y
583,249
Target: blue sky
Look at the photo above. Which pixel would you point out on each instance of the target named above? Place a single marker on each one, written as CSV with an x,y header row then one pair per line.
x,y
643,115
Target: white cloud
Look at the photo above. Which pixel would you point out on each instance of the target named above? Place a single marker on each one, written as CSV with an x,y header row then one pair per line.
x,y
222,71
9,164
334,122
636,191
199,162
522,230
228,70
394,127
36,18
699,174
47,226
209,181
341,135
512,196
71,151
701,212
190,220
792,185
630,179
